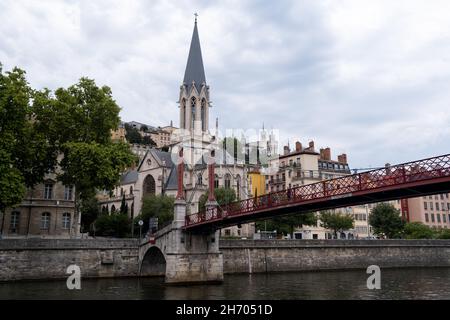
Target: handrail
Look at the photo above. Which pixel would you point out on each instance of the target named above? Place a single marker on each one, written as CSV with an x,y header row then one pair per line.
x,y
399,174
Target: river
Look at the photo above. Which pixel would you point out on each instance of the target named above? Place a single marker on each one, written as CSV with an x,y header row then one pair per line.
x,y
414,283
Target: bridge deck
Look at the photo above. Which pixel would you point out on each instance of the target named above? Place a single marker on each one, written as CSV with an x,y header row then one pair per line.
x,y
412,179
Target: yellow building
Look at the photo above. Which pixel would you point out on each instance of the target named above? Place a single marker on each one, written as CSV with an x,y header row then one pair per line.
x,y
256,182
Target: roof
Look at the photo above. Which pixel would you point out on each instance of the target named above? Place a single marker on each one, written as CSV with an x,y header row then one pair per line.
x,y
129,177
194,67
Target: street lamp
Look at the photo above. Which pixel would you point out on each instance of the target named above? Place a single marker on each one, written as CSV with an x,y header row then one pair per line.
x,y
140,229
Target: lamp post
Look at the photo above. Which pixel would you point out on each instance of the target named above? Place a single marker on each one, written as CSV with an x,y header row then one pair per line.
x,y
140,229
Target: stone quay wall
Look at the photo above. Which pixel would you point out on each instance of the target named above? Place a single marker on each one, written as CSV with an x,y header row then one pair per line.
x,y
32,259
253,256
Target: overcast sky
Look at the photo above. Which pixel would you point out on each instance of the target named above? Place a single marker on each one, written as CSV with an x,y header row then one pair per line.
x,y
369,78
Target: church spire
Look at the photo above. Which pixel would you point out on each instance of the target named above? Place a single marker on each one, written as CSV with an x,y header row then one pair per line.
x,y
194,68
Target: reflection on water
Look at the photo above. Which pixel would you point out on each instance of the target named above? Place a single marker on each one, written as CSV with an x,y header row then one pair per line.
x,y
426,283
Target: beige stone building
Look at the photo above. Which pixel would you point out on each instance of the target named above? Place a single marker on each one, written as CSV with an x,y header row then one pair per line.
x,y
304,165
47,211
433,211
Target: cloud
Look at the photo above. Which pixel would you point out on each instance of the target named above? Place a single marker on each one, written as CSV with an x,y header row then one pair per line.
x,y
363,77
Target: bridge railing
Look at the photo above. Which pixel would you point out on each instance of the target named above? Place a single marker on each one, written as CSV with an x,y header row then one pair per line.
x,y
386,177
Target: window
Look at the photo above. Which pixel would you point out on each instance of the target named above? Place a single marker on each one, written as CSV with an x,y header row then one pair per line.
x,y
427,219
68,192
432,217
442,197
442,206
48,191
438,217
203,114
431,205
193,102
131,189
66,220
14,223
183,113
45,221
227,181
444,218
200,179
227,232
437,205
425,205
216,181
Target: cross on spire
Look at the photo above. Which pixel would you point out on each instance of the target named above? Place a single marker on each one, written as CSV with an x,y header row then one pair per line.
x,y
196,15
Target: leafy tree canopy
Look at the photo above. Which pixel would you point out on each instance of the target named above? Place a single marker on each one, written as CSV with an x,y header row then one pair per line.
x,y
223,196
156,206
417,230
336,221
287,224
386,221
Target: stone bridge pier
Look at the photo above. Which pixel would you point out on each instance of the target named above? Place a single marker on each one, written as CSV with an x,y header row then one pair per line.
x,y
180,256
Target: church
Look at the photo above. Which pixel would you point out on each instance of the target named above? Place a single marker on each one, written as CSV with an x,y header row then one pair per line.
x,y
156,173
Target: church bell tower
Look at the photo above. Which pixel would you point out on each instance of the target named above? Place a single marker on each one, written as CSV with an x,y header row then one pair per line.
x,y
194,93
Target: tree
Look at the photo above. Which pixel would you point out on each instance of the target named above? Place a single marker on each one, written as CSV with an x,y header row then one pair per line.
x,y
417,230
287,224
113,225
123,205
156,206
25,153
223,196
336,221
132,135
148,141
89,210
442,234
386,221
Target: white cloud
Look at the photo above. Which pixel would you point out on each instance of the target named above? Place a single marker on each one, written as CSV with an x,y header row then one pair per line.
x,y
363,77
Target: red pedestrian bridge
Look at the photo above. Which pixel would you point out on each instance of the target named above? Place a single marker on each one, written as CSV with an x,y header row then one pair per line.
x,y
406,180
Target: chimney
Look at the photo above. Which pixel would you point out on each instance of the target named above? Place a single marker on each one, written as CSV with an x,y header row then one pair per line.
x,y
342,158
286,150
322,153
327,153
311,145
298,146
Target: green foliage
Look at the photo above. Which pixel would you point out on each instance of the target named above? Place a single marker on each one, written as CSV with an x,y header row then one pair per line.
x,y
123,206
25,153
156,206
287,224
223,196
442,234
132,135
386,221
91,166
83,112
89,212
113,225
417,230
336,221
148,141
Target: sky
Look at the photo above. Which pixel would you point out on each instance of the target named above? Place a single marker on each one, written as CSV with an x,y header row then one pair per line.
x,y
366,78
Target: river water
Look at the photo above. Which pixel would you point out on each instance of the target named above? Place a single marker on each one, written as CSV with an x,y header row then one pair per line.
x,y
426,283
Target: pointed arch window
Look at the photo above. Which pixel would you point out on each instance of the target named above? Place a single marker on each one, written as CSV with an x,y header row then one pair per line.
x,y
203,114
193,103
183,114
227,181
216,181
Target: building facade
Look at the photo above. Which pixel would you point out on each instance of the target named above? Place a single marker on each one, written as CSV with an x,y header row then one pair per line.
x,y
433,211
156,173
47,211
